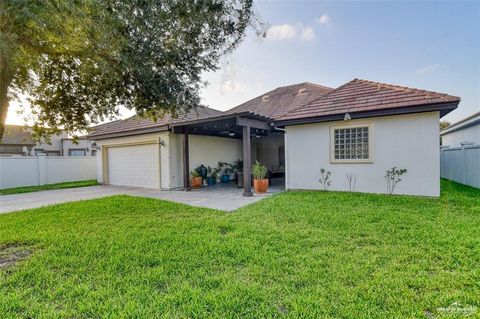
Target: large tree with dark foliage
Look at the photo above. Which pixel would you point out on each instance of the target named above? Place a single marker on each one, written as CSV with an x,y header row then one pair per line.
x,y
79,60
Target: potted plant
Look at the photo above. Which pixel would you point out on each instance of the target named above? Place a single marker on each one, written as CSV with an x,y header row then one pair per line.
x,y
260,180
212,174
238,169
226,170
196,179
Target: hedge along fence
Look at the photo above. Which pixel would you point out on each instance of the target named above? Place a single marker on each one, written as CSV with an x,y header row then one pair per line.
x,y
461,164
41,170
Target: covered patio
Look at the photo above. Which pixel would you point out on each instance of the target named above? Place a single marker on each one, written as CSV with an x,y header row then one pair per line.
x,y
244,126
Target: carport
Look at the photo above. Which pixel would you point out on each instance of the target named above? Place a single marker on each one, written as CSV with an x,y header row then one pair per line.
x,y
237,126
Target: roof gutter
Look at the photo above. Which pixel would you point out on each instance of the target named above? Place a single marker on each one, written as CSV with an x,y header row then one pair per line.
x,y
443,108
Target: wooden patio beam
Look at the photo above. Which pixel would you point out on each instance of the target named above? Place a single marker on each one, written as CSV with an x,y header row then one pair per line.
x,y
247,163
243,121
186,160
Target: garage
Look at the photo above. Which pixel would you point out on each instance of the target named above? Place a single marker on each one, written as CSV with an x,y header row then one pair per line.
x,y
134,165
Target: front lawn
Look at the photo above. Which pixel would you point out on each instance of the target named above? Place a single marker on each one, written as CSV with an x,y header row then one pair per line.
x,y
29,189
295,254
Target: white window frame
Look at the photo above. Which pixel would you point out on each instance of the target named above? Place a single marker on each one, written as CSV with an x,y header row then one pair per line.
x,y
333,160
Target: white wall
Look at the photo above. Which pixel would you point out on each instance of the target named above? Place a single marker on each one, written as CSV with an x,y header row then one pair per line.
x,y
40,170
18,171
461,164
404,141
60,169
465,135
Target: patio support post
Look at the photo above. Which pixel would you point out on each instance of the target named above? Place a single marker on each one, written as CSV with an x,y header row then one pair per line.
x,y
186,168
247,163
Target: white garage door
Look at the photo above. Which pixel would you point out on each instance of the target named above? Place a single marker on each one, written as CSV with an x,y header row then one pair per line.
x,y
135,165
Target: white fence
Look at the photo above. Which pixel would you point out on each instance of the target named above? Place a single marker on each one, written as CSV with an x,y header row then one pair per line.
x,y
461,164
40,170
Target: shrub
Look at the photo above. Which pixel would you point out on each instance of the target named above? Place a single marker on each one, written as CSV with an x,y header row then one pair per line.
x,y
325,179
393,177
259,171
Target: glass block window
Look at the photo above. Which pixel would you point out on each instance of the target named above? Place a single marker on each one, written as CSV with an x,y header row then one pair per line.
x,y
351,143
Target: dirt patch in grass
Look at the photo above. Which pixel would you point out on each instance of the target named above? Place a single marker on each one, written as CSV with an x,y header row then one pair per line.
x,y
10,254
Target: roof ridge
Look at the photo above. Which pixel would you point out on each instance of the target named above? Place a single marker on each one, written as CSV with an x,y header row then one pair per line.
x,y
323,96
318,85
406,88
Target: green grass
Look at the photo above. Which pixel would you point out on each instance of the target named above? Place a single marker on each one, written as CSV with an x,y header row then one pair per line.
x,y
29,189
295,254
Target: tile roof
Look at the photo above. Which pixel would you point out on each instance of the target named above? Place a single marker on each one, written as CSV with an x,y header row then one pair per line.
x,y
137,123
297,101
17,135
362,95
280,101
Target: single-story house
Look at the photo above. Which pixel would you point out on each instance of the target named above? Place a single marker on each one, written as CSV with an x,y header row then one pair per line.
x,y
362,128
463,132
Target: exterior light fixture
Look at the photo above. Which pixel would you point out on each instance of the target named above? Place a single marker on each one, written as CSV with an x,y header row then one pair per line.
x,y
347,117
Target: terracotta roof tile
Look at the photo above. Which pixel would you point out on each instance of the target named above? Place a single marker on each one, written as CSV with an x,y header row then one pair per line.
x,y
280,101
136,122
362,95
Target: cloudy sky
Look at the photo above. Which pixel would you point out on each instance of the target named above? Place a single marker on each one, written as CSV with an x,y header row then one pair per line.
x,y
428,45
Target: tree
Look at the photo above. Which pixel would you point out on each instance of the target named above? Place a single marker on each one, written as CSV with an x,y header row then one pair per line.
x,y
444,125
78,60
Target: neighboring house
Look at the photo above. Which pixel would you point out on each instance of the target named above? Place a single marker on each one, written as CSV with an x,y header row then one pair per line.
x,y
362,128
83,147
464,132
18,141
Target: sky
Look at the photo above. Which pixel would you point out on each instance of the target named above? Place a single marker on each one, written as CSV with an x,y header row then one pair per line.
x,y
428,45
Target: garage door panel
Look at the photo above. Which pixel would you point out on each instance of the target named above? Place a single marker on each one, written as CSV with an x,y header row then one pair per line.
x,y
135,165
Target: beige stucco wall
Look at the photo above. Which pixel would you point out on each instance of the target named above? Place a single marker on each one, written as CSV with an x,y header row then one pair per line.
x,y
205,150
81,144
164,153
404,141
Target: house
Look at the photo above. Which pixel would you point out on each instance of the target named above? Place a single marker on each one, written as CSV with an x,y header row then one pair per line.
x,y
362,128
18,141
463,132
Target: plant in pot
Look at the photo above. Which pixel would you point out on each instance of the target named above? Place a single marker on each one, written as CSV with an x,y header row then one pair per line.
x,y
226,170
260,180
196,179
212,174
238,169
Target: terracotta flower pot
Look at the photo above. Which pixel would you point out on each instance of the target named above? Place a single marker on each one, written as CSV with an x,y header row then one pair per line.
x,y
196,182
260,185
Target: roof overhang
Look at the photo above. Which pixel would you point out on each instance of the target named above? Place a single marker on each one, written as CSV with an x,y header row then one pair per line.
x,y
474,120
97,137
226,125
443,108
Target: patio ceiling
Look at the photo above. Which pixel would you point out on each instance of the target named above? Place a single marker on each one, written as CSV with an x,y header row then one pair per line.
x,y
230,126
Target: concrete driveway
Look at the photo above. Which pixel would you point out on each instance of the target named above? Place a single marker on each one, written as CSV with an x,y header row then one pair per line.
x,y
223,197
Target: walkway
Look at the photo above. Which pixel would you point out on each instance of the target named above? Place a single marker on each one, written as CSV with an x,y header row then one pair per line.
x,y
224,197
